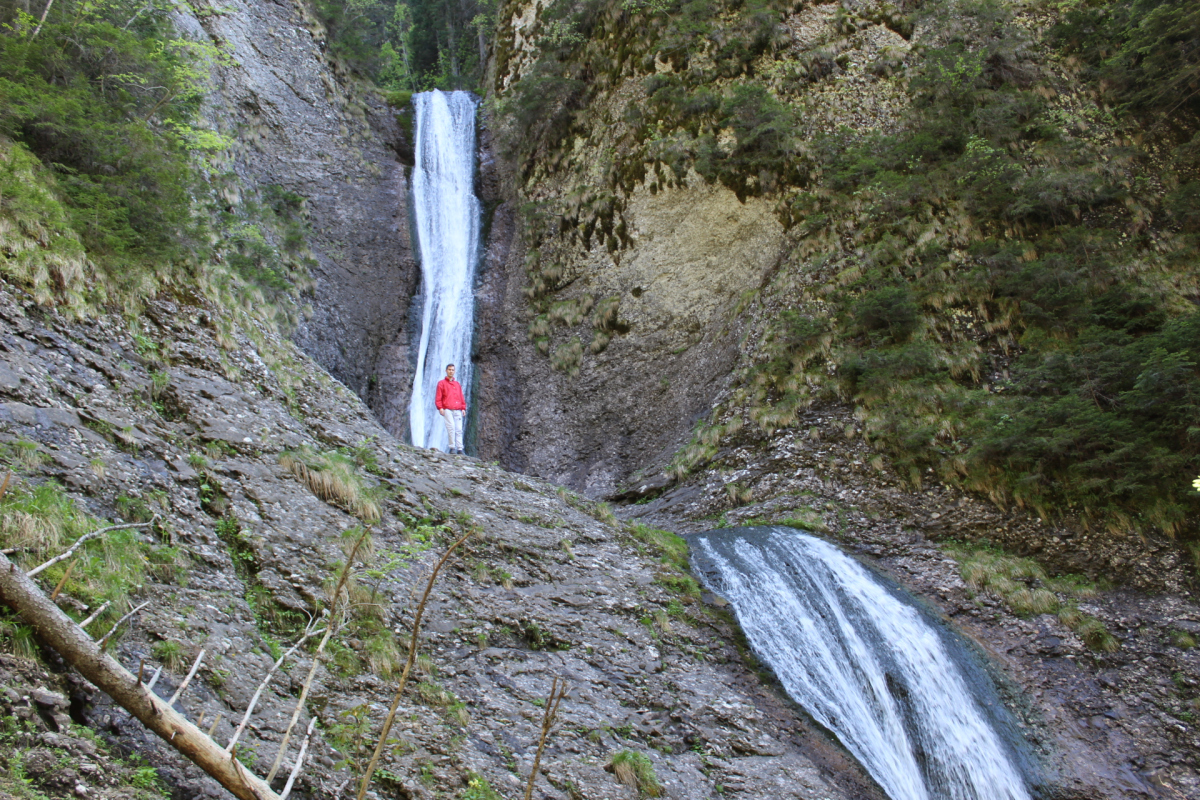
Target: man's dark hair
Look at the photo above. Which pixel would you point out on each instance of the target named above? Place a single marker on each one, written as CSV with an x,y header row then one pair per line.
x,y
448,366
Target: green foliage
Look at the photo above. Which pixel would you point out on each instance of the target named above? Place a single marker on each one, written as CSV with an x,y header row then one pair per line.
x,y
671,549
636,771
105,96
334,477
41,521
411,45
1146,51
586,46
479,789
1002,319
1029,591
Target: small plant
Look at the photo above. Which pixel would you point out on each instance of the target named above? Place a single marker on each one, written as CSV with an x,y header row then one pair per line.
x,y
806,519
738,493
479,789
334,478
146,777
18,639
382,654
170,653
636,771
671,549
1183,640
26,455
197,461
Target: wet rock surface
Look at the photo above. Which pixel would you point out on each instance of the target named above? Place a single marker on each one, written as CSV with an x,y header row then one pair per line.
x,y
548,586
1109,724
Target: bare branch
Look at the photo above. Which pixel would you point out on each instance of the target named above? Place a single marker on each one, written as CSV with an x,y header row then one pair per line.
x,y
412,654
287,787
86,538
308,633
58,631
63,580
113,629
103,607
191,673
558,690
42,21
312,670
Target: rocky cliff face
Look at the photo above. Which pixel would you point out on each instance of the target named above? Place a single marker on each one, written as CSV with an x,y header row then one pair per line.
x,y
298,125
589,419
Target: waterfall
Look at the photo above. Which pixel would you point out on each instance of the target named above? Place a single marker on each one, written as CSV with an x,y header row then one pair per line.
x,y
902,694
447,217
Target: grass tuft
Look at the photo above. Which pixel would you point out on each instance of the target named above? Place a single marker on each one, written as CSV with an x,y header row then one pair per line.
x,y
333,477
1023,584
636,771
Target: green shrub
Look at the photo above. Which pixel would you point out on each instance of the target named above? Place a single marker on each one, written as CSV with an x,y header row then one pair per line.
x,y
636,771
105,96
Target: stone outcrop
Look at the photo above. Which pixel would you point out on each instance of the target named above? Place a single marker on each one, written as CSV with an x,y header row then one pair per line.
x,y
298,122
698,250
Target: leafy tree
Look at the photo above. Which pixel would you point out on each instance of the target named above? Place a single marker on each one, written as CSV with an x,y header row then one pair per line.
x,y
105,94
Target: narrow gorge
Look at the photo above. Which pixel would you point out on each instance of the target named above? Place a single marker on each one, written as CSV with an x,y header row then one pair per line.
x,y
831,378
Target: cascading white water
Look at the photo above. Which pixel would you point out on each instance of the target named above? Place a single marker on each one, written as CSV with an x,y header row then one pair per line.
x,y
865,664
447,220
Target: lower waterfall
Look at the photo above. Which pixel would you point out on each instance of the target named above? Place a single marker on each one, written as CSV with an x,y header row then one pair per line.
x,y
903,696
447,216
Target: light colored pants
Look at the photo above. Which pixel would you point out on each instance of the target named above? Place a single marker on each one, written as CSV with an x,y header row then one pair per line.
x,y
454,428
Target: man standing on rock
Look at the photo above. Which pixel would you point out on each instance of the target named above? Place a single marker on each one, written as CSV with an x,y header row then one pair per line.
x,y
451,405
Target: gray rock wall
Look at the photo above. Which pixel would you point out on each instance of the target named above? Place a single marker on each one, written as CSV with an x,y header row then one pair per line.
x,y
294,125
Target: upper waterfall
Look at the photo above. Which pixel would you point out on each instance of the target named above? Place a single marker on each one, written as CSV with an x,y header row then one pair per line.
x,y
903,696
447,221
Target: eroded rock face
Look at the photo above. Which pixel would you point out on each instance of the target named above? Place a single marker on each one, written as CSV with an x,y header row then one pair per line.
x,y
549,585
295,126
698,250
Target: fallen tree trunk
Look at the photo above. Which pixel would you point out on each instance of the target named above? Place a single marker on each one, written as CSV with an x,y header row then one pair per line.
x,y
60,632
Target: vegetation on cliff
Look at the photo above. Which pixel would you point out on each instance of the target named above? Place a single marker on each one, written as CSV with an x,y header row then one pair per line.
x,y
1002,279
112,187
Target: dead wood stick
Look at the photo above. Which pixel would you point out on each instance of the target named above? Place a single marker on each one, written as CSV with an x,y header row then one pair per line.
x,y
309,633
58,631
113,629
3,489
312,670
558,690
86,538
154,679
287,787
412,654
191,673
63,580
92,618
42,21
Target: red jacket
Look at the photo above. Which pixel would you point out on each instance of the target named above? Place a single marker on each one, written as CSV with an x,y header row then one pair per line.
x,y
449,395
